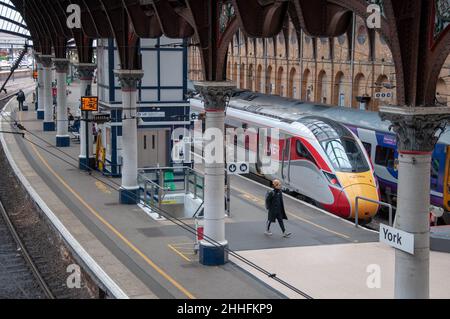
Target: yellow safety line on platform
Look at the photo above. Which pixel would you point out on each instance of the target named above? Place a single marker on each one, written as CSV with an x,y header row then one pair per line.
x,y
179,253
114,230
260,203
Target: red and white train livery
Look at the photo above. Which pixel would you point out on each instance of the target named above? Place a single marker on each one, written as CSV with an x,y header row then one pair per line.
x,y
316,157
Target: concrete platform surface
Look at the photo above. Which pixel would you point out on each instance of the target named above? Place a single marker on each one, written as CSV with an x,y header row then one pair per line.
x,y
343,271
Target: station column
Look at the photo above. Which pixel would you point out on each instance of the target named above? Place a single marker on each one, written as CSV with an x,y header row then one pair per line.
x,y
49,124
129,190
216,96
416,129
62,123
86,73
40,97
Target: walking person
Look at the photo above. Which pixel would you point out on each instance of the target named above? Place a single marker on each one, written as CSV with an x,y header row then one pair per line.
x,y
275,207
20,98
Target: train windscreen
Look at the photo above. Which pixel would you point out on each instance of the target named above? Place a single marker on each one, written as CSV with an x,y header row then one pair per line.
x,y
339,144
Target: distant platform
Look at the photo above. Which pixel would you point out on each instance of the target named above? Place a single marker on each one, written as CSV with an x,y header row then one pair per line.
x,y
440,239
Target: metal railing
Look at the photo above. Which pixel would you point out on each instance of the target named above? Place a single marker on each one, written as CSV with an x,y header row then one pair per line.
x,y
358,198
156,185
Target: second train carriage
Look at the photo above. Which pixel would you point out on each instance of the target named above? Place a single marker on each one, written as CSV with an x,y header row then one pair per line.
x,y
315,157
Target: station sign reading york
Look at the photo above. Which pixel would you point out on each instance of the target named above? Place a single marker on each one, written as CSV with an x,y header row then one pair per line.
x,y
397,238
89,103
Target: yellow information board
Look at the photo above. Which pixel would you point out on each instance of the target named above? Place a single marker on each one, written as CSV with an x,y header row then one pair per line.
x,y
89,103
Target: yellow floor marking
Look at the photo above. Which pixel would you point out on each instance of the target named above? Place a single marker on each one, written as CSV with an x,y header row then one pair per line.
x,y
115,231
182,255
102,187
261,203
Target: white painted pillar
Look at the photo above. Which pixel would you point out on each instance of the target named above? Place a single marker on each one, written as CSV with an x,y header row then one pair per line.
x,y
40,97
129,190
214,182
49,123
416,129
412,273
86,72
215,95
62,122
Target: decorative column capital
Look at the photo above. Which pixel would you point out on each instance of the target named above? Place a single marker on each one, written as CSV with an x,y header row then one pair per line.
x,y
61,65
216,95
129,79
86,70
46,60
416,127
37,57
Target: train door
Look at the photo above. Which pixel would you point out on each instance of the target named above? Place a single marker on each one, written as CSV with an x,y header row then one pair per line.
x,y
259,149
286,161
446,187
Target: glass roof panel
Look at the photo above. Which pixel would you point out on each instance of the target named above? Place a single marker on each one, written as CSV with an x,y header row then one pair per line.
x,y
11,21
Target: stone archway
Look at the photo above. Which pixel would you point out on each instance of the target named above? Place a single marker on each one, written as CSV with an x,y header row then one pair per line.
x,y
358,89
321,92
380,83
258,82
279,88
292,87
307,87
339,90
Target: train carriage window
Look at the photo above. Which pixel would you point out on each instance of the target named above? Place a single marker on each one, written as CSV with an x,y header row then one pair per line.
x,y
385,157
269,149
368,148
345,155
303,152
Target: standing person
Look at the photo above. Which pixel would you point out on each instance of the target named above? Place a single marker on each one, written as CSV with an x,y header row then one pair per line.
x,y
20,99
275,207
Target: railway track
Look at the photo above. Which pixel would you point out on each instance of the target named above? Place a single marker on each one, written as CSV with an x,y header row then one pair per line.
x,y
33,265
19,275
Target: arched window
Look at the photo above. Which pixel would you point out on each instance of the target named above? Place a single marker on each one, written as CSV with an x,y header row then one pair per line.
x,y
279,88
321,92
307,87
292,87
339,90
258,82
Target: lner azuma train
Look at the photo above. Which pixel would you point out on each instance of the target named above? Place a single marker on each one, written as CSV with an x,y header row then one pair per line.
x,y
316,157
377,138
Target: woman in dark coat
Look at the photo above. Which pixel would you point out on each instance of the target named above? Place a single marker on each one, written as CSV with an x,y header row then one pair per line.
x,y
20,98
275,207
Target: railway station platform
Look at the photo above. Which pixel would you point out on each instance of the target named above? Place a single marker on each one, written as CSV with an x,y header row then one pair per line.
x,y
326,257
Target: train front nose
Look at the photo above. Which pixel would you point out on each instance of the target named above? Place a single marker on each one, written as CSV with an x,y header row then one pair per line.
x,y
364,187
366,210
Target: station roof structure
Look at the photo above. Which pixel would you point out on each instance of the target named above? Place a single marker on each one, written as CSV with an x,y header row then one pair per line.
x,y
418,32
11,21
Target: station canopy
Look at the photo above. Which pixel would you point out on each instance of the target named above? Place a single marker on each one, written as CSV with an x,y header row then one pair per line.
x,y
11,21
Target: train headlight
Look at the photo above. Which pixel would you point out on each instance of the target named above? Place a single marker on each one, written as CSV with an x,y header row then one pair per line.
x,y
332,179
